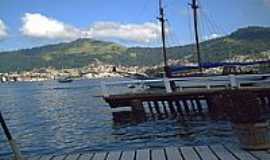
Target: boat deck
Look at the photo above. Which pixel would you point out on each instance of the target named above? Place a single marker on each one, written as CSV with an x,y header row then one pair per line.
x,y
213,152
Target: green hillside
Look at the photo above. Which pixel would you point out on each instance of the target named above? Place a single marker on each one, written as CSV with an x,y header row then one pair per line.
x,y
67,55
251,41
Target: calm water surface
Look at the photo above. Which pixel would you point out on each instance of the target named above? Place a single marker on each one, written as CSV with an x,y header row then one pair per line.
x,y
53,118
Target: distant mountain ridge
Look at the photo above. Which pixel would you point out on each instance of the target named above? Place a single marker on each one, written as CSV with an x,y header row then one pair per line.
x,y
253,42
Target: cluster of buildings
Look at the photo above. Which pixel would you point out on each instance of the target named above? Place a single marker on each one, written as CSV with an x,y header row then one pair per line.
x,y
101,70
88,72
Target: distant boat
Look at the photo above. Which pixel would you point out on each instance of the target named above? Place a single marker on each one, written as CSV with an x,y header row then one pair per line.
x,y
65,80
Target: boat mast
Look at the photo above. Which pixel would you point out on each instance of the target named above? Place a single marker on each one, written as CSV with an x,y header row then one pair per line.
x,y
164,52
195,7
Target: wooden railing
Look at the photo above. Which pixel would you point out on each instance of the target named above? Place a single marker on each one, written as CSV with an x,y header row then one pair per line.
x,y
182,84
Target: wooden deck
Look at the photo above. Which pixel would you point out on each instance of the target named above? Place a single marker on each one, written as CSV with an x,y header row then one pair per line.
x,y
214,152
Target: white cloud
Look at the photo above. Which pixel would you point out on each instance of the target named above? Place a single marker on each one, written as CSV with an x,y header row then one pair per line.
x,y
3,30
212,36
39,26
146,32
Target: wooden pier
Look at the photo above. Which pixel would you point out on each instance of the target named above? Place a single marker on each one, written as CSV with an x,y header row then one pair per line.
x,y
213,152
205,103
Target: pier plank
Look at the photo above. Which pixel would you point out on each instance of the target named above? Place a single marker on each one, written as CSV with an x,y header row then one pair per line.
x,y
87,156
213,152
173,153
239,153
99,156
205,153
128,155
114,156
72,157
143,154
158,154
189,153
262,155
222,153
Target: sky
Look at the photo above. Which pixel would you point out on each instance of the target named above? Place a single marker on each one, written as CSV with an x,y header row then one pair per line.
x,y
30,23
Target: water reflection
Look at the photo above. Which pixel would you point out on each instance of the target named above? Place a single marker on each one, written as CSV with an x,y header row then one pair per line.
x,y
48,117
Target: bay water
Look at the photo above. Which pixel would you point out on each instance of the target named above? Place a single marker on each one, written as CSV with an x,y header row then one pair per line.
x,y
59,118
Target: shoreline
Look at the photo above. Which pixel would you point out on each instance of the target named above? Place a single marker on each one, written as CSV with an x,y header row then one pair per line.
x,y
19,79
89,72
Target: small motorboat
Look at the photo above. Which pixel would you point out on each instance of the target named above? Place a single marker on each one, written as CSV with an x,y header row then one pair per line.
x,y
65,80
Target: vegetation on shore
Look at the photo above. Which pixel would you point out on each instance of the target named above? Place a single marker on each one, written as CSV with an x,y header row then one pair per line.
x,y
248,43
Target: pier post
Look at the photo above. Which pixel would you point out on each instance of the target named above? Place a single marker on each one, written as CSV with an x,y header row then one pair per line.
x,y
12,143
248,120
179,108
168,85
138,111
233,81
172,109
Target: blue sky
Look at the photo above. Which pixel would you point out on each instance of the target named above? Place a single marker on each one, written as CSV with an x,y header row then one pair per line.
x,y
29,23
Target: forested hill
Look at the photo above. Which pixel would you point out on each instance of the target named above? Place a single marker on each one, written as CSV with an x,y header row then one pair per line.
x,y
252,42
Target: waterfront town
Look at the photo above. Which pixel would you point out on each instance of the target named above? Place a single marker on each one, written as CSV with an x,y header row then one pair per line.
x,y
94,70
102,70
88,72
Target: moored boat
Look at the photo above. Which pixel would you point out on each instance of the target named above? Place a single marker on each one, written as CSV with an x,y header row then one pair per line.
x,y
65,80
189,90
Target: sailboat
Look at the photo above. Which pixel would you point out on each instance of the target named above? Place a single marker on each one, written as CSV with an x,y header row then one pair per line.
x,y
64,79
228,68
179,89
167,69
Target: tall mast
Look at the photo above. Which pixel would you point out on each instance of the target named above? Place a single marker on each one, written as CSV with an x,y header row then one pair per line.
x,y
195,7
164,52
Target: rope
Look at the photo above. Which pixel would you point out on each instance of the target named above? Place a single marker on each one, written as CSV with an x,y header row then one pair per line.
x,y
12,143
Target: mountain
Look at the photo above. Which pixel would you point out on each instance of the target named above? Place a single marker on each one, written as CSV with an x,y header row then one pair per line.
x,y
252,42
64,55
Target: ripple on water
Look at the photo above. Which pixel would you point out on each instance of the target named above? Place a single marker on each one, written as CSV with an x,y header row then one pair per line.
x,y
49,117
